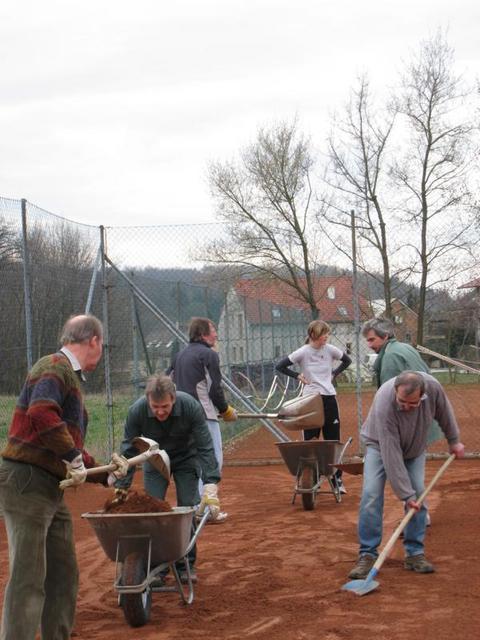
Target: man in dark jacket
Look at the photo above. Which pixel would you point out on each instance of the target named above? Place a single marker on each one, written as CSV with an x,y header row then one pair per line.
x,y
196,371
175,420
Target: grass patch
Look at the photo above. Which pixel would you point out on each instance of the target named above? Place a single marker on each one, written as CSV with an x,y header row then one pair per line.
x,y
98,439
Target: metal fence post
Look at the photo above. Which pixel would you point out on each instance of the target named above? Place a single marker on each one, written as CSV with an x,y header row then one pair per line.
x,y
246,334
227,334
356,320
93,281
106,346
262,354
26,286
136,368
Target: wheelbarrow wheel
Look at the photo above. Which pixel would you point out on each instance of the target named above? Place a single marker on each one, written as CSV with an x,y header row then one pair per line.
x,y
136,606
308,482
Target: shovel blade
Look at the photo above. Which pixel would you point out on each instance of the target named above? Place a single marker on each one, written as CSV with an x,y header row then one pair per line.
x,y
361,587
161,461
158,458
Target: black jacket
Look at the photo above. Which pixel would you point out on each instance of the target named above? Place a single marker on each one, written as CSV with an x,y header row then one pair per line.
x,y
196,370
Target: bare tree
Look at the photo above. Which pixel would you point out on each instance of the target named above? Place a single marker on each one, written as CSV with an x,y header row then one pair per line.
x,y
61,261
264,200
9,244
433,171
358,173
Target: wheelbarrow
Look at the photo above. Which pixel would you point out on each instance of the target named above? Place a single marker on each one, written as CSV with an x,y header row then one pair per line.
x,y
144,546
311,462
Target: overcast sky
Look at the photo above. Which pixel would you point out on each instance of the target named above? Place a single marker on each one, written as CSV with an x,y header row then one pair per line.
x,y
110,109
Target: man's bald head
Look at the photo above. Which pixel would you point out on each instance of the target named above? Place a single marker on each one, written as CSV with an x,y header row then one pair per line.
x,y
81,328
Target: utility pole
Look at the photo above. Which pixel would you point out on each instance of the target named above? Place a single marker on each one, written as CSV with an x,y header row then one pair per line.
x,y
356,322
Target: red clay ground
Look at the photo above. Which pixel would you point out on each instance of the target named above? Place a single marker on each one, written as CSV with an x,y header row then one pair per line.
x,y
274,571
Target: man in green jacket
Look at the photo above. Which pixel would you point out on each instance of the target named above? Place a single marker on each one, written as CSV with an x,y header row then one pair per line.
x,y
177,422
393,356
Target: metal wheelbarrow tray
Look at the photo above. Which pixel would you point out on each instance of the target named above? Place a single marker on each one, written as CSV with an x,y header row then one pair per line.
x,y
311,462
143,546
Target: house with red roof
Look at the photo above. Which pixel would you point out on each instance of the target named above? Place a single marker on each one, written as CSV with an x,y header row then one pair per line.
x,y
264,320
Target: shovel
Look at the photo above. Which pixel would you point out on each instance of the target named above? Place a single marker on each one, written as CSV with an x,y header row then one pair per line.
x,y
300,413
277,416
149,451
362,587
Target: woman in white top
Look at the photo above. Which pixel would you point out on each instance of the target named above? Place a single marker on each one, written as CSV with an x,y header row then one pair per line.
x,y
316,363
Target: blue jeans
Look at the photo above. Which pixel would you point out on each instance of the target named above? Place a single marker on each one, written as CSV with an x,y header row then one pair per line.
x,y
370,520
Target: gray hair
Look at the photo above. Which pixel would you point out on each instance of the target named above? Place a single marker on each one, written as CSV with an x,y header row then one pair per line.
x,y
411,380
82,328
383,327
158,386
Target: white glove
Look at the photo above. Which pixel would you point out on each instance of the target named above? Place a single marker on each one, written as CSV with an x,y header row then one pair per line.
x,y
76,472
121,470
210,500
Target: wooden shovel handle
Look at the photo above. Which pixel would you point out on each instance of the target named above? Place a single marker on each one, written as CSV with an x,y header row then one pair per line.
x,y
112,466
411,512
257,415
106,468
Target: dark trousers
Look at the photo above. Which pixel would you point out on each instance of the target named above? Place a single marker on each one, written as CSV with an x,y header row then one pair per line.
x,y
331,425
186,478
42,589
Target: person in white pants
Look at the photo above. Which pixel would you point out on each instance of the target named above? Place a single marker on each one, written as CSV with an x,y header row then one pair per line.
x,y
196,371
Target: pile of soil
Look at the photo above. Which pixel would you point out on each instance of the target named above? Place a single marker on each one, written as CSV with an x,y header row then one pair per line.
x,y
137,503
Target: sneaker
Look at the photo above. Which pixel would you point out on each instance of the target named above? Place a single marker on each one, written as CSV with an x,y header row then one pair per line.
x,y
183,575
158,582
419,564
222,516
362,568
338,484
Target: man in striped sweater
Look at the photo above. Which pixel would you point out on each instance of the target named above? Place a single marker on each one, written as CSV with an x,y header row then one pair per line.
x,y
45,445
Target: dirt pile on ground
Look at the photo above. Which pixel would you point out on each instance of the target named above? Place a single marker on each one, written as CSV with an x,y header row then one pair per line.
x,y
137,503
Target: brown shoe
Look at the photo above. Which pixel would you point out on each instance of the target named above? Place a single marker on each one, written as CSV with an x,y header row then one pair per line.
x,y
362,568
419,564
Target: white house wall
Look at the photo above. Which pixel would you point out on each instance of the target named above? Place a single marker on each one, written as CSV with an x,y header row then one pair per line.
x,y
242,342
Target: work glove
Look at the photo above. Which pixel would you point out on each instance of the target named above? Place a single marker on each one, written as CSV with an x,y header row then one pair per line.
x,y
121,470
210,500
76,472
229,415
119,496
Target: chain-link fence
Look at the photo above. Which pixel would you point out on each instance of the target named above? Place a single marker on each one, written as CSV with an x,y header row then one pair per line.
x,y
145,283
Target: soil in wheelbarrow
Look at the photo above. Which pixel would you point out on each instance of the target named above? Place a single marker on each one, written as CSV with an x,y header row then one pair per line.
x,y
137,503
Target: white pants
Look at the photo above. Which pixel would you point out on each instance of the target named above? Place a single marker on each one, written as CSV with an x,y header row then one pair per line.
x,y
214,428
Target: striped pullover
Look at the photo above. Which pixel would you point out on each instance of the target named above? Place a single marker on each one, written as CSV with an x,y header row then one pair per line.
x,y
49,423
